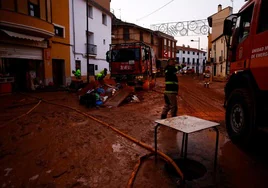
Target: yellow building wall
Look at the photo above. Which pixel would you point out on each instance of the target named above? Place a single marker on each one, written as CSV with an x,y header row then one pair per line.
x,y
218,21
60,46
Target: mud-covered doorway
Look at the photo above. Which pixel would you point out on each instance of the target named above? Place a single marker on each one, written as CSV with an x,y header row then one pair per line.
x,y
58,69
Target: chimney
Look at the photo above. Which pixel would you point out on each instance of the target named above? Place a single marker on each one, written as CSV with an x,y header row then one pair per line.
x,y
219,7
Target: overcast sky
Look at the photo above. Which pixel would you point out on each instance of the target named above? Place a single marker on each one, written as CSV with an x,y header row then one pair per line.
x,y
177,10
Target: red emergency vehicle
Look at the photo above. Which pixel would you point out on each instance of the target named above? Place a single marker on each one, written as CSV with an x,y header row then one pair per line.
x,y
131,62
246,92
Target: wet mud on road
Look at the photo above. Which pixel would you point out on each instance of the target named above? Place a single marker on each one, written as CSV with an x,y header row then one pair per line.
x,y
57,147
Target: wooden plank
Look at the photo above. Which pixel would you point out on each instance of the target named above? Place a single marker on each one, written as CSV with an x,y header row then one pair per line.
x,y
118,98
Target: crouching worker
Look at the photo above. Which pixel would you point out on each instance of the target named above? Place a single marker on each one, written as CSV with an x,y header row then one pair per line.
x,y
206,78
102,74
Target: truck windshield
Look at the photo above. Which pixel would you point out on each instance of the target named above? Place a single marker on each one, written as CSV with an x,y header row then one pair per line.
x,y
123,55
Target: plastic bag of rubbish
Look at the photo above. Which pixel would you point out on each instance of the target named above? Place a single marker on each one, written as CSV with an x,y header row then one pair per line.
x,y
99,102
135,99
100,91
104,98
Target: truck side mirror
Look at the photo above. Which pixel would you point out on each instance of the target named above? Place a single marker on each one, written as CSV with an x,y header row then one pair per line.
x,y
228,28
108,56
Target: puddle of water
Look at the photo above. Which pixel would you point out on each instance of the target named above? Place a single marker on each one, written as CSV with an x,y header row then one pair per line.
x,y
117,147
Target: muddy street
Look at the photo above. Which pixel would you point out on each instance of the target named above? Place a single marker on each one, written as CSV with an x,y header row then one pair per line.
x,y
53,146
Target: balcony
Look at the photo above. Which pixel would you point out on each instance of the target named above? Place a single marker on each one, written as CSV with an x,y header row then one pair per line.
x,y
26,24
92,49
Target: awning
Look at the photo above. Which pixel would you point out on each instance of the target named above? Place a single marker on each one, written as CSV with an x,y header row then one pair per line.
x,y
22,36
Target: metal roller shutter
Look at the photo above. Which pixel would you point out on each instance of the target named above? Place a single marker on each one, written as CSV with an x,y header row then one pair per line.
x,y
21,52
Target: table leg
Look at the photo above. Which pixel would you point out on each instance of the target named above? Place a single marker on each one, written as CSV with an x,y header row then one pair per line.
x,y
182,145
155,141
216,149
186,145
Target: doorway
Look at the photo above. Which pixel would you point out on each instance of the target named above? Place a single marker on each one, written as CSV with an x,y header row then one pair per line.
x,y
58,70
91,69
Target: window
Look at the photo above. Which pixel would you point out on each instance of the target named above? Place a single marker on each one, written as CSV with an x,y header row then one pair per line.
x,y
188,52
126,34
169,43
178,59
90,11
141,36
183,60
197,53
59,31
188,60
90,38
77,65
34,10
193,61
204,54
243,24
104,19
193,53
165,42
96,67
152,39
263,21
183,52
104,41
197,61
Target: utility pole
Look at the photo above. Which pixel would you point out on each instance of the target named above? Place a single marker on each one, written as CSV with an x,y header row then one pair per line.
x,y
87,43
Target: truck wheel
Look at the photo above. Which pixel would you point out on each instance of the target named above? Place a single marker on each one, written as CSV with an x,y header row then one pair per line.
x,y
240,116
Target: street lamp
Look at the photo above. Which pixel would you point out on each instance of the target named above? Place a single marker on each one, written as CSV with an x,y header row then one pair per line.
x,y
198,54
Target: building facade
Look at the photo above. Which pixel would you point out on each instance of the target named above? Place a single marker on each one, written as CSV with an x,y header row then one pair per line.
x,y
192,58
217,41
98,35
163,45
34,42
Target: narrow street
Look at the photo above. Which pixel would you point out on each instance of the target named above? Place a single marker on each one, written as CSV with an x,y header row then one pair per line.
x,y
57,147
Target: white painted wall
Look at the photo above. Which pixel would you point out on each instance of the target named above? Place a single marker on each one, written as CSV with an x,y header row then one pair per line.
x,y
202,56
100,31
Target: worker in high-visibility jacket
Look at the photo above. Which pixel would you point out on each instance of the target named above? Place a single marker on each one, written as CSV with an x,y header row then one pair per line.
x,y
171,90
101,75
77,73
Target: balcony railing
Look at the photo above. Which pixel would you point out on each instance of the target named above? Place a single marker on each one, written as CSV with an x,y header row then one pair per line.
x,y
92,49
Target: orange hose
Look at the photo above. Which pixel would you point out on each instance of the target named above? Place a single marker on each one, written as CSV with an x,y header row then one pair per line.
x,y
136,169
161,154
126,136
28,112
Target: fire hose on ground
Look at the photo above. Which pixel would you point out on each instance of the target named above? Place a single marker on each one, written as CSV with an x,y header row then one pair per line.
x,y
147,147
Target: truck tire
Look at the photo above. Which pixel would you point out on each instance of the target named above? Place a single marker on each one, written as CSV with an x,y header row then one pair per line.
x,y
240,117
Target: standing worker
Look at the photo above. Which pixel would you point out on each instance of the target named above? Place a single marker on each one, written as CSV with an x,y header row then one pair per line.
x,y
206,78
171,90
102,74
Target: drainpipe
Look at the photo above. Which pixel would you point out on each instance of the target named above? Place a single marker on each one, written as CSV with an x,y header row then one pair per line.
x,y
87,43
73,27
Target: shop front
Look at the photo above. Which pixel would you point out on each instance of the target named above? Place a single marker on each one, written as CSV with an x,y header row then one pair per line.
x,y
21,62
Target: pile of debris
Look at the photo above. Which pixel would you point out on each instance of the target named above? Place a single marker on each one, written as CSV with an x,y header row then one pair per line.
x,y
106,93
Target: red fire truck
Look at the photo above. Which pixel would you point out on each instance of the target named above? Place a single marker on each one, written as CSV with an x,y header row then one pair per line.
x,y
246,92
131,62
